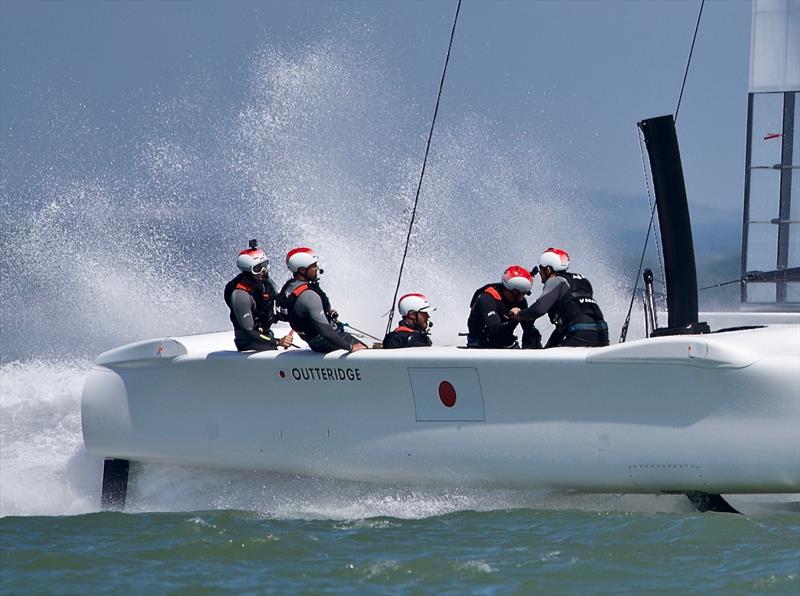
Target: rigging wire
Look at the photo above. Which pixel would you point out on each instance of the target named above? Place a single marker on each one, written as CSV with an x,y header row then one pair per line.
x,y
689,61
724,283
652,204
774,276
422,172
624,334
360,332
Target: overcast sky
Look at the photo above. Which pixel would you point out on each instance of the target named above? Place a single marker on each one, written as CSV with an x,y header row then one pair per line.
x,y
80,77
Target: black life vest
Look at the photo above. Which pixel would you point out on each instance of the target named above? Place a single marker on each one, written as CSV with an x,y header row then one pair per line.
x,y
492,289
579,305
475,326
403,335
263,295
286,311
578,284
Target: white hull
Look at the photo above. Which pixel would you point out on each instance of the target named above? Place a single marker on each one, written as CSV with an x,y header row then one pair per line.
x,y
717,413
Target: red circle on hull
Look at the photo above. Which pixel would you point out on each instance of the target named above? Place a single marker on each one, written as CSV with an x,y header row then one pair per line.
x,y
447,394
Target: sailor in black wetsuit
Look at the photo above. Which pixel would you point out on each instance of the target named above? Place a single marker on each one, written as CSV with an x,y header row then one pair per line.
x,y
490,324
412,332
307,308
567,299
250,296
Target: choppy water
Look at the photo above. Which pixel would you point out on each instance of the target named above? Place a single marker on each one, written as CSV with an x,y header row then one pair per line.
x,y
519,551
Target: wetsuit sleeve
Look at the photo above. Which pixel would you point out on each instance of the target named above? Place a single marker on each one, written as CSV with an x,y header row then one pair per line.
x,y
531,338
242,306
309,306
552,291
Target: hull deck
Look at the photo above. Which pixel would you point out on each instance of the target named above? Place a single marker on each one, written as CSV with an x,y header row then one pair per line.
x,y
717,413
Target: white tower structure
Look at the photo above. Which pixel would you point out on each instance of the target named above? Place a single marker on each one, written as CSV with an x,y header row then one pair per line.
x,y
771,222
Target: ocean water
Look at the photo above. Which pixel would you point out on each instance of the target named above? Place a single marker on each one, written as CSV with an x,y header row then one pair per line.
x,y
143,250
467,552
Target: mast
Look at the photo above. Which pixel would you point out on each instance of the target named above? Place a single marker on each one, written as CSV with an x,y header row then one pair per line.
x,y
770,265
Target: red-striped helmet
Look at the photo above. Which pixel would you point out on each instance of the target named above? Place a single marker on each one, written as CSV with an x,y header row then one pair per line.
x,y
556,258
414,303
517,278
252,260
300,257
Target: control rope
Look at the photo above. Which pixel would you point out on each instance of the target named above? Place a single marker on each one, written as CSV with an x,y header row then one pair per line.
x,y
422,173
689,61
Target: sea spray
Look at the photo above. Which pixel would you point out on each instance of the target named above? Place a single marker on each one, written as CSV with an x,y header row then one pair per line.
x,y
45,469
321,153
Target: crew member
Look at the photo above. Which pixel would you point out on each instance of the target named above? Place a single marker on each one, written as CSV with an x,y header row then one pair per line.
x,y
490,324
412,332
567,299
307,308
250,296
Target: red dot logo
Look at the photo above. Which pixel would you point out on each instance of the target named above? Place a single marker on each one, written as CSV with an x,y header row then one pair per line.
x,y
447,394
282,374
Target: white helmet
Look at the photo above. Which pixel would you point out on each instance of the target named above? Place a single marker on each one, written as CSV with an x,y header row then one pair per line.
x,y
300,257
517,278
556,258
251,259
414,303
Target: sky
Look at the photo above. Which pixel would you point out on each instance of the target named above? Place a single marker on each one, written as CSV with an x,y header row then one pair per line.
x,y
577,74
97,92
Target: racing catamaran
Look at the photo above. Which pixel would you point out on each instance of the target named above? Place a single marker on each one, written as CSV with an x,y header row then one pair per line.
x,y
687,410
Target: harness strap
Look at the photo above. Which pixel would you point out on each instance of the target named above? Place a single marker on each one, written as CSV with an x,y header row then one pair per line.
x,y
493,293
299,290
601,326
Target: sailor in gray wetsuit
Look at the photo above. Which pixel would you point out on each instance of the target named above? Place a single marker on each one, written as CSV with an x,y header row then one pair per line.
x,y
567,299
250,296
307,308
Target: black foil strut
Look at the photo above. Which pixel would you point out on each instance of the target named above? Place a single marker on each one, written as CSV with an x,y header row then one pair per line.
x,y
661,141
